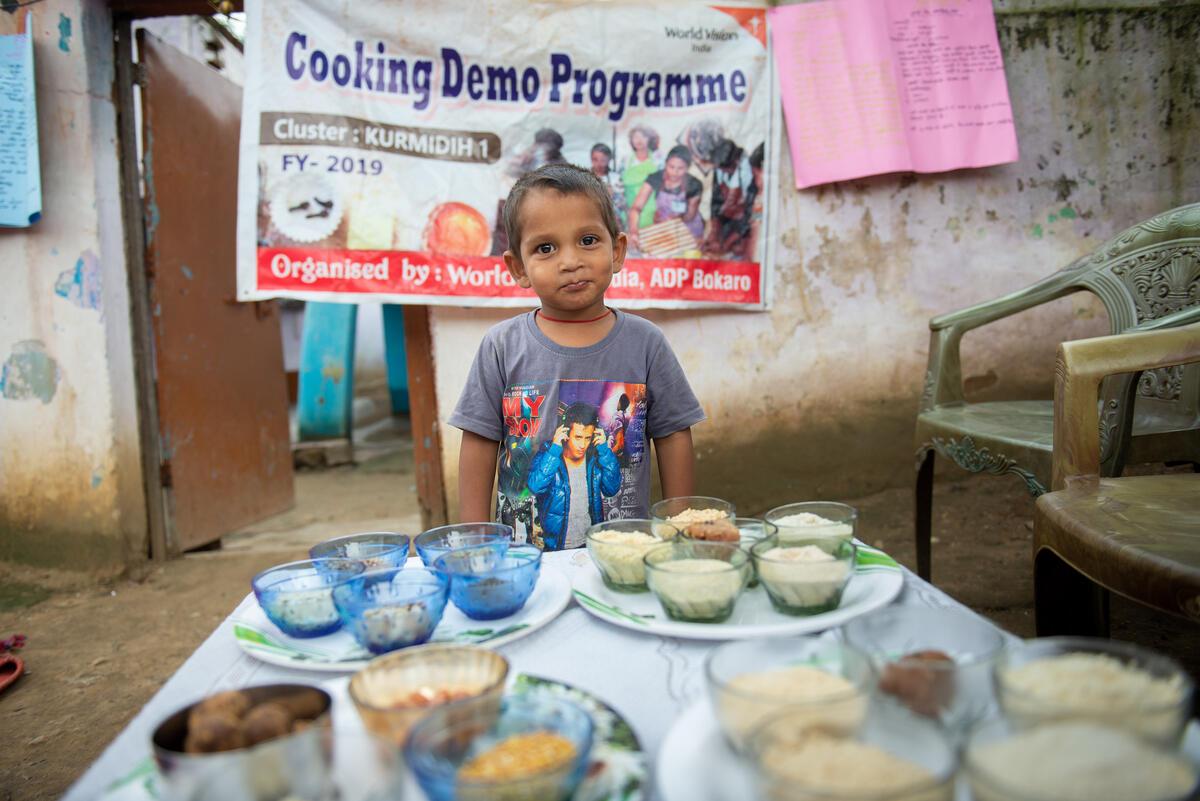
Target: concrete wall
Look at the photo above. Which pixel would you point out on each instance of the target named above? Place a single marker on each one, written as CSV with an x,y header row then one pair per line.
x,y
70,480
816,398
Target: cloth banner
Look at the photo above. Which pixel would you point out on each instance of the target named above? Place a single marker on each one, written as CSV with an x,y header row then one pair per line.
x,y
380,139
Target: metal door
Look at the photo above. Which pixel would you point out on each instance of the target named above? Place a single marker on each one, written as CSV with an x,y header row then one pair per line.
x,y
222,392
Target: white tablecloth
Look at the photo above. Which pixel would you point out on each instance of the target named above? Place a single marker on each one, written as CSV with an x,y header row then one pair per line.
x,y
649,679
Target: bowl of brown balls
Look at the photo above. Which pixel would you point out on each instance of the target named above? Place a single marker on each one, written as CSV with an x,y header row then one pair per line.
x,y
256,742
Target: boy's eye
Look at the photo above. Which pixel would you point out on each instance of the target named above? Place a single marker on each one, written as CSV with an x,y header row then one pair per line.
x,y
590,239
544,248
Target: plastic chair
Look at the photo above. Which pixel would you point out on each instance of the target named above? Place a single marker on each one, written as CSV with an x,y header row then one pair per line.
x,y
1142,275
1138,536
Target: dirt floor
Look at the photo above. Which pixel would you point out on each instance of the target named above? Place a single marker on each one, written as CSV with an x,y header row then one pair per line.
x,y
95,654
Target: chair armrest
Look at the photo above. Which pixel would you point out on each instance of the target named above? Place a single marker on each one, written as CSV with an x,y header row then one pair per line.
x,y
1080,367
943,373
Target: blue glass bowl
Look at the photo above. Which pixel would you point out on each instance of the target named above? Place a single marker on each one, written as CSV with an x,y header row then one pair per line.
x,y
486,585
373,548
453,734
297,596
436,541
391,608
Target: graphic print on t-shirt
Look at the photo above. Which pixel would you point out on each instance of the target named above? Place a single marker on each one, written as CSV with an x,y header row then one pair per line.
x,y
596,427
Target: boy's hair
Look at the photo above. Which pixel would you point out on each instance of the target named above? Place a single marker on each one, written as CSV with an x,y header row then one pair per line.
x,y
566,179
581,412
726,153
680,152
756,158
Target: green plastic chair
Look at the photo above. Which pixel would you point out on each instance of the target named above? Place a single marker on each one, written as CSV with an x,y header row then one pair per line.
x,y
1144,276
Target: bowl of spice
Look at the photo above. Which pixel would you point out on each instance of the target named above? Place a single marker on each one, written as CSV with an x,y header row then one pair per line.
x,y
804,576
436,541
698,517
486,585
297,596
392,607
372,548
396,690
529,747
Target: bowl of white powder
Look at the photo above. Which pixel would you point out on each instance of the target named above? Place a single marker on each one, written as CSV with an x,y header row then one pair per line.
x,y
697,582
826,682
617,548
1072,760
1104,681
804,576
812,519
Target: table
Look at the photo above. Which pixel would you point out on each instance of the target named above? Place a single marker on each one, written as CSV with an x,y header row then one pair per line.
x,y
649,679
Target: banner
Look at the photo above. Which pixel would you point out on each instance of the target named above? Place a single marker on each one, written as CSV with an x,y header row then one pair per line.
x,y
380,140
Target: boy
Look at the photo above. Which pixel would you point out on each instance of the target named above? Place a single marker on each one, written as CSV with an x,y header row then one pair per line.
x,y
551,381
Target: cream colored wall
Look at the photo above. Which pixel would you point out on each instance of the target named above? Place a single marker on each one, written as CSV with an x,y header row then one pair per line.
x,y
816,397
70,480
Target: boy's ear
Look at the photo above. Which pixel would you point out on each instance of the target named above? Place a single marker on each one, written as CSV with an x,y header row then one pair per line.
x,y
620,245
516,269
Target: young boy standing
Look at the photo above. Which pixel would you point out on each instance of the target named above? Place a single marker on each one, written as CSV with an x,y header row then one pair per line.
x,y
550,383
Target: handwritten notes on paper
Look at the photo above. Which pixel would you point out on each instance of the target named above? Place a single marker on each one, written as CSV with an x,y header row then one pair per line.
x,y
876,86
20,179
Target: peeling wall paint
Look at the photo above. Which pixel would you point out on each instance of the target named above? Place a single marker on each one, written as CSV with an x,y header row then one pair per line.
x,y
81,285
64,33
29,373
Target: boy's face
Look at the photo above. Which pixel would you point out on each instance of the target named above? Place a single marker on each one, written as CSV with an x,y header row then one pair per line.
x,y
578,439
599,163
566,254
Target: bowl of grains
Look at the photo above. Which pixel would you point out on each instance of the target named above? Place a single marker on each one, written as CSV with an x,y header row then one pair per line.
x,y
486,585
372,548
1073,760
297,596
392,607
1105,681
698,517
396,690
828,683
893,756
804,576
529,747
617,548
434,542
814,519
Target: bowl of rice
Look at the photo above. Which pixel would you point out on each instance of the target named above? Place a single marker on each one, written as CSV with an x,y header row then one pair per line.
x,y
617,548
698,517
814,519
1109,682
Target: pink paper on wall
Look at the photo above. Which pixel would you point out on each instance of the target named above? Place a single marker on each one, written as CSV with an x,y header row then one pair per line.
x,y
876,86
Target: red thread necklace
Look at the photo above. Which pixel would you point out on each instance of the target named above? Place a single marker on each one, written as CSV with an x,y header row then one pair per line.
x,y
556,320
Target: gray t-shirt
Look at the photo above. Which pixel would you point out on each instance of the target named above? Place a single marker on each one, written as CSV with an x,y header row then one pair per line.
x,y
606,401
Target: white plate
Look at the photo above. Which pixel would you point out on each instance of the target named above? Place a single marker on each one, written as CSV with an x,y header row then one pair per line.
x,y
696,764
259,637
872,586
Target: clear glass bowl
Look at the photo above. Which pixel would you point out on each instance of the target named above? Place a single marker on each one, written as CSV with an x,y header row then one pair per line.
x,y
298,762
1088,678
436,541
938,662
297,596
697,582
804,576
373,548
750,531
1072,760
814,519
449,737
396,690
750,681
486,585
617,548
392,608
893,756
698,517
